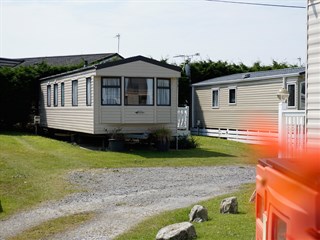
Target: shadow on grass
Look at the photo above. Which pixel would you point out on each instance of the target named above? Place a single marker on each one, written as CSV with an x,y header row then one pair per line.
x,y
189,153
142,150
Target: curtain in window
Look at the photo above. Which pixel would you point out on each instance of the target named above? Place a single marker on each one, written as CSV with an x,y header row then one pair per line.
x,y
55,94
88,91
62,94
111,91
138,91
163,92
74,93
149,91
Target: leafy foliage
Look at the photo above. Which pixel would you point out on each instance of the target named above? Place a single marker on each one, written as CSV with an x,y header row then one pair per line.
x,y
19,91
185,142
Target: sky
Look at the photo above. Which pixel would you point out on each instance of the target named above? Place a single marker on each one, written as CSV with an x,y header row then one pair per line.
x,y
160,29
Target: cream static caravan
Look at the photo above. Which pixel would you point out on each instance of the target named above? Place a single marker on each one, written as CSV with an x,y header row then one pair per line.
x,y
135,94
313,74
245,102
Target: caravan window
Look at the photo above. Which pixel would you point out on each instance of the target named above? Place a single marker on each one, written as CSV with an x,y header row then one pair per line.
x,y
110,91
279,228
232,95
62,94
75,93
49,95
215,98
55,95
138,91
163,92
88,91
292,95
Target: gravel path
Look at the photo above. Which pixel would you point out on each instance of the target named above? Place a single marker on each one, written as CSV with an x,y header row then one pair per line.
x,y
123,197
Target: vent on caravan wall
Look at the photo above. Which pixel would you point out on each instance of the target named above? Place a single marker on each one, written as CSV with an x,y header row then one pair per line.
x,y
247,75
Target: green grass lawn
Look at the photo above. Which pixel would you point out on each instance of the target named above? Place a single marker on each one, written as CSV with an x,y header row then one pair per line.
x,y
219,226
33,168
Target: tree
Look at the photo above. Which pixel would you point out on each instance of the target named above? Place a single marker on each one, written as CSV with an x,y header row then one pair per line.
x,y
19,92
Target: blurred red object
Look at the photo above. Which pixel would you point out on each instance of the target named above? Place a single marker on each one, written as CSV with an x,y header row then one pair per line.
x,y
288,196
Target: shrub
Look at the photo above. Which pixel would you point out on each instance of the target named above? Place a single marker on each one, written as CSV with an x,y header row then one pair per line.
x,y
185,142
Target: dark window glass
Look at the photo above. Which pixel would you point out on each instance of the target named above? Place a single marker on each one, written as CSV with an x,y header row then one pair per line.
x,y
232,96
49,95
55,95
62,94
292,97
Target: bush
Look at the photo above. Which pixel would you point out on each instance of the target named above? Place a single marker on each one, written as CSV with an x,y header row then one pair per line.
x,y
185,142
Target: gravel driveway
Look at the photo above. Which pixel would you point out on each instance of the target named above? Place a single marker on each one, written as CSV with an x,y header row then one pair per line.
x,y
123,197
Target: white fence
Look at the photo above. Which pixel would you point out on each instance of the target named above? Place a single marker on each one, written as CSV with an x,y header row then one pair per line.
x,y
292,131
183,121
246,136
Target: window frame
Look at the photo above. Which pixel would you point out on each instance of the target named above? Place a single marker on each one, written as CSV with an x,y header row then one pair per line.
x,y
218,101
278,220
55,95
48,95
153,92
302,106
235,95
89,93
294,96
165,88
62,96
111,86
74,101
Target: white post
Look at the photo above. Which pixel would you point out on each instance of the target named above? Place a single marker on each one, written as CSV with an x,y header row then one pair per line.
x,y
192,107
281,126
187,117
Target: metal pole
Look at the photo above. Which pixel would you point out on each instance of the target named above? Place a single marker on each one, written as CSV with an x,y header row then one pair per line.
x,y
118,36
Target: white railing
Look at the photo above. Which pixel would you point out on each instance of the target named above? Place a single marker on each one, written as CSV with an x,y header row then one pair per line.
x,y
183,119
292,131
245,136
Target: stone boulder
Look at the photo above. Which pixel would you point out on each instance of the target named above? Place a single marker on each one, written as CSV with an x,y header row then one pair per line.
x,y
177,231
198,214
229,205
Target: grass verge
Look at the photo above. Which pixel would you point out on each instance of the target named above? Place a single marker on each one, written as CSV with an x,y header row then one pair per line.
x,y
219,226
50,228
33,169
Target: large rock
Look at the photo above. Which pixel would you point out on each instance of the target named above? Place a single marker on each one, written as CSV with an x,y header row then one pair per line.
x,y
177,231
229,205
198,214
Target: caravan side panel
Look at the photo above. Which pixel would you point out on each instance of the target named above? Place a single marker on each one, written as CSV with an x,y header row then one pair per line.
x,y
69,118
256,106
313,74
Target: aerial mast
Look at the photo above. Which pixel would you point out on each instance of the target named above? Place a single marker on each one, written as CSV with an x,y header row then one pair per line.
x,y
118,36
